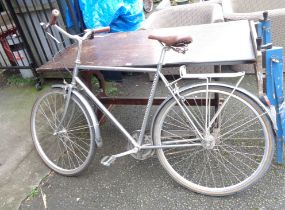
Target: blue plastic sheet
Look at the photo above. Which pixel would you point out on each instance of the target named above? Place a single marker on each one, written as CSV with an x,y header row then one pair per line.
x,y
68,19
120,15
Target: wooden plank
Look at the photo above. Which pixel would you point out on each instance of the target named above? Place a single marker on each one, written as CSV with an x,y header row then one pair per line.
x,y
219,43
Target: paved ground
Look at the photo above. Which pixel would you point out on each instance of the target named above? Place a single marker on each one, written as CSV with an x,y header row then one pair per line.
x,y
128,184
20,168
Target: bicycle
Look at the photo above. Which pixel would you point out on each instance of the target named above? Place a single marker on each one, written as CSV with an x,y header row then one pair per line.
x,y
212,138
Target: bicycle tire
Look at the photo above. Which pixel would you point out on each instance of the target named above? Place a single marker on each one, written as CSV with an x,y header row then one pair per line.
x,y
70,150
243,147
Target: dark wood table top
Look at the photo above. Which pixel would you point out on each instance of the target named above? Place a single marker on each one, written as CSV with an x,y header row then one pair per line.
x,y
220,43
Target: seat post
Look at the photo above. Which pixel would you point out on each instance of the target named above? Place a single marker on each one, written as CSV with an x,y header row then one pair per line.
x,y
162,56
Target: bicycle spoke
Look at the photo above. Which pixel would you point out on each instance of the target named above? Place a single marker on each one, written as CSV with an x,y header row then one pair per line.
x,y
183,120
69,149
237,122
242,125
222,163
223,159
211,172
168,123
232,117
82,140
199,120
239,132
51,111
243,154
239,159
73,142
47,118
78,128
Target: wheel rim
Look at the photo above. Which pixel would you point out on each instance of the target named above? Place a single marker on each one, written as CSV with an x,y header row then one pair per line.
x,y
65,149
225,160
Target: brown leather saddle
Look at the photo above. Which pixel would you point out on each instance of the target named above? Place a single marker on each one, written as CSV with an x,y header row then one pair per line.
x,y
173,40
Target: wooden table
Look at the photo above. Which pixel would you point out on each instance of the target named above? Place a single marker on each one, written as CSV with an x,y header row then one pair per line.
x,y
214,44
220,43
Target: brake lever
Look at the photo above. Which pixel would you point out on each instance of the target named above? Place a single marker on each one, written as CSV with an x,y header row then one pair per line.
x,y
92,35
51,36
55,39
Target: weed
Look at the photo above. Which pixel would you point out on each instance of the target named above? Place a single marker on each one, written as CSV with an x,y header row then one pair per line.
x,y
95,83
18,81
111,89
34,193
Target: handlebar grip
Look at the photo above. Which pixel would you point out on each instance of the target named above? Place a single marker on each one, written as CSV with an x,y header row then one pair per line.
x,y
54,14
101,30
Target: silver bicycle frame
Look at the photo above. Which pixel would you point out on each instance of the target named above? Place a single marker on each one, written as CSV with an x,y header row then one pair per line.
x,y
137,144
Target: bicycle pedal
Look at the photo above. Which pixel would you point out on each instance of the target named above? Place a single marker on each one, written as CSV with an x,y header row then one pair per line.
x,y
108,160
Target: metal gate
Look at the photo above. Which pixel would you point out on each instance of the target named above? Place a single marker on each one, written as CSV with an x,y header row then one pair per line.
x,y
23,44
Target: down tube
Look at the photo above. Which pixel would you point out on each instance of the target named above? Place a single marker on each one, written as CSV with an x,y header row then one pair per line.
x,y
106,111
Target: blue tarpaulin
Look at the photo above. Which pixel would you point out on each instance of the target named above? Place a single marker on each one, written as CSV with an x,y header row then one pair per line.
x,y
120,15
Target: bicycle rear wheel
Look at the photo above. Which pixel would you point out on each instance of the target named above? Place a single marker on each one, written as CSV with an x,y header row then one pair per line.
x,y
67,148
234,155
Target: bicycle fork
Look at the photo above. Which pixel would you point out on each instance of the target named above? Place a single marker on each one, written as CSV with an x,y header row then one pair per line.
x,y
68,88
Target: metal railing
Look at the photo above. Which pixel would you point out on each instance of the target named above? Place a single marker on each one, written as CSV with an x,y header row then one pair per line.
x,y
23,44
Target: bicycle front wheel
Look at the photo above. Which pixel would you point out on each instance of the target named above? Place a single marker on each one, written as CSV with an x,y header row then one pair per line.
x,y
66,147
232,154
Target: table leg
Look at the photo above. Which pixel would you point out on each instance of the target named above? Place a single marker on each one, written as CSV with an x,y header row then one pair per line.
x,y
87,77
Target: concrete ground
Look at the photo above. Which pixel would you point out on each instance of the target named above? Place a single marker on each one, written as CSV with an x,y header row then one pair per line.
x,y
20,168
128,184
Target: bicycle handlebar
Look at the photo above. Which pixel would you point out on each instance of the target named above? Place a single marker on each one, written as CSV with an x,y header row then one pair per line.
x,y
88,32
91,32
101,30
